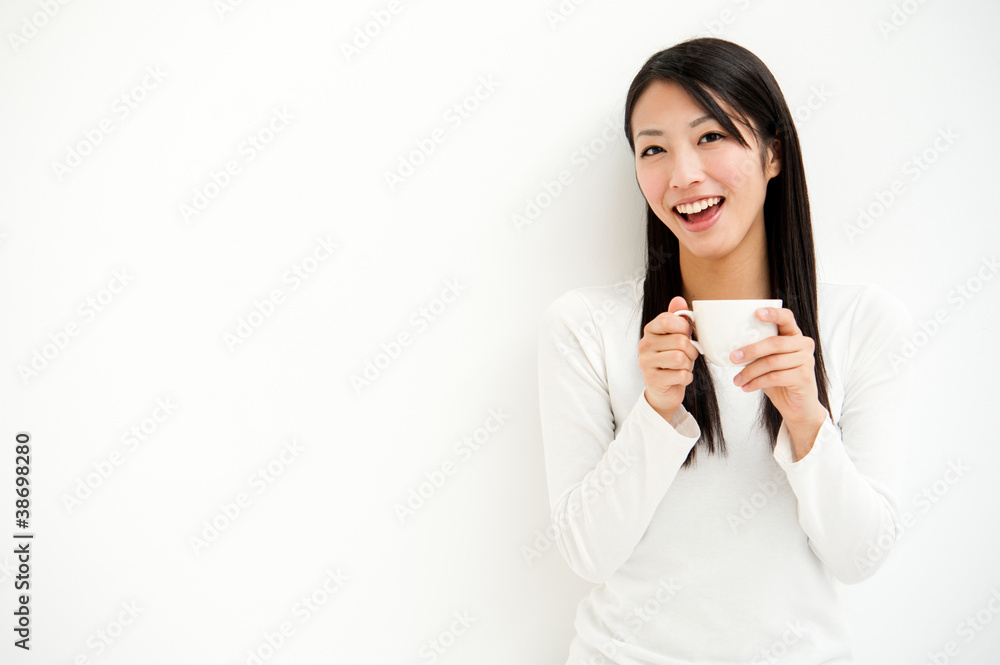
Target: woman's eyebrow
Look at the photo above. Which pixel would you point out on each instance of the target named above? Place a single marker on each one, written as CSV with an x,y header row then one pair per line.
x,y
657,132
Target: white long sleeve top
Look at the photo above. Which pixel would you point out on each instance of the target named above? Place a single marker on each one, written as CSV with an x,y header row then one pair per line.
x,y
735,559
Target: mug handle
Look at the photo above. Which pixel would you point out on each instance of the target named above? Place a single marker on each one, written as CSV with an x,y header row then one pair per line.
x,y
689,315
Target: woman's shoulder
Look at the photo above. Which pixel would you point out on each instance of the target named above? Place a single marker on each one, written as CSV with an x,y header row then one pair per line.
x,y
842,299
600,302
860,321
592,314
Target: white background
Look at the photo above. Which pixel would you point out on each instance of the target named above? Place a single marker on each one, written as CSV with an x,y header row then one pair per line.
x,y
115,517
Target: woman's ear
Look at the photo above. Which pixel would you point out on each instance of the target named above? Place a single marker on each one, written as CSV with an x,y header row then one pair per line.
x,y
774,157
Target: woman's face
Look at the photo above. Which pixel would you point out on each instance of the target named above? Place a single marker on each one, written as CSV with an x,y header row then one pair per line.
x,y
683,155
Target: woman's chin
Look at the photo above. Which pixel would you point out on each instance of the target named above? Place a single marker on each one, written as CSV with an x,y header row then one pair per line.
x,y
707,250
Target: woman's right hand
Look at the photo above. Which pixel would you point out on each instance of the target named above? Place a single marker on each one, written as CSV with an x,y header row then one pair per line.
x,y
666,358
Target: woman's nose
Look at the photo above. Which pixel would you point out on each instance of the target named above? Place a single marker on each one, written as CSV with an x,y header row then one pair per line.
x,y
687,170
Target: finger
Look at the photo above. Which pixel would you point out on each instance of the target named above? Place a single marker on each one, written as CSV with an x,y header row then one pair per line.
x,y
668,378
771,345
783,317
655,343
674,358
788,378
677,303
771,363
667,323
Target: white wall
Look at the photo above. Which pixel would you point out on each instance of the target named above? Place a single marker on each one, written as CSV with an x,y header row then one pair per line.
x,y
878,100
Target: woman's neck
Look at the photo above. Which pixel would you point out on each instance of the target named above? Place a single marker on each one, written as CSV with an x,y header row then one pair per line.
x,y
736,277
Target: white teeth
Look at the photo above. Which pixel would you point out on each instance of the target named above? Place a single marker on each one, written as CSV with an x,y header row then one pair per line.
x,y
697,206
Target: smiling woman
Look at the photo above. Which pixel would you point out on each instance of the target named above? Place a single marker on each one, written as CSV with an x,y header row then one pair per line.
x,y
796,486
690,169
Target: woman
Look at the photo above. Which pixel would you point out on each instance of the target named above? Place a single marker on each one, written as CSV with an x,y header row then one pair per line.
x,y
733,554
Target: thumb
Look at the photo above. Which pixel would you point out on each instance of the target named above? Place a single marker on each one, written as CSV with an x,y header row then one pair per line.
x,y
677,303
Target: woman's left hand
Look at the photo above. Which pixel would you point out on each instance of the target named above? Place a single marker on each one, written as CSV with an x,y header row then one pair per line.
x,y
784,366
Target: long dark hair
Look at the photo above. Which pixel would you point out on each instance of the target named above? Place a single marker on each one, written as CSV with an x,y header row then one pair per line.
x,y
739,78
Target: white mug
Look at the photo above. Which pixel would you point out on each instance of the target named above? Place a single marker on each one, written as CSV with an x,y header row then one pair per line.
x,y
722,326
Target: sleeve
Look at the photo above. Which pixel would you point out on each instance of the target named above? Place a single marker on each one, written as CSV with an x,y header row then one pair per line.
x,y
603,489
847,486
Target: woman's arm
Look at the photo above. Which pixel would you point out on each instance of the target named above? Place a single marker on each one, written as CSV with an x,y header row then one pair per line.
x,y
603,489
847,485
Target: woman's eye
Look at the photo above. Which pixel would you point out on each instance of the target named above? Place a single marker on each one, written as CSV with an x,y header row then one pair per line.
x,y
645,152
720,136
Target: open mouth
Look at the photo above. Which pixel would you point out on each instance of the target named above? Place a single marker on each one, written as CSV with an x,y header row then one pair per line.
x,y
700,210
